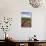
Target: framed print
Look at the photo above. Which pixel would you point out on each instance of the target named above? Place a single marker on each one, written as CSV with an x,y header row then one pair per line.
x,y
26,19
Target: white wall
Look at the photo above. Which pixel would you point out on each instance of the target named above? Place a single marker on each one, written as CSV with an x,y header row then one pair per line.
x,y
45,27
12,8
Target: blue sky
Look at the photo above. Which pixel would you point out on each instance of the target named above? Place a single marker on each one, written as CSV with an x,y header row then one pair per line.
x,y
27,13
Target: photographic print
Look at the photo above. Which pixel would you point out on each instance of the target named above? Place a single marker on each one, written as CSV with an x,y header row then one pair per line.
x,y
26,19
